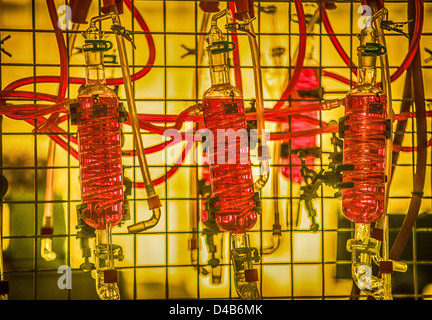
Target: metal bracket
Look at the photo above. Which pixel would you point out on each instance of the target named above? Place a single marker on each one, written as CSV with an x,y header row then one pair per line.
x,y
189,51
120,30
240,26
74,114
244,254
123,114
395,26
370,245
3,50
102,251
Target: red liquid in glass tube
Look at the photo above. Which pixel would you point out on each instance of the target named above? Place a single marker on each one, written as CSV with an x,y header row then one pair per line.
x,y
364,147
205,176
231,175
308,81
100,160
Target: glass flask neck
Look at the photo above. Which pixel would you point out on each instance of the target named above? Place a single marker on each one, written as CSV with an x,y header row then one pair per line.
x,y
95,70
367,76
367,55
95,74
219,75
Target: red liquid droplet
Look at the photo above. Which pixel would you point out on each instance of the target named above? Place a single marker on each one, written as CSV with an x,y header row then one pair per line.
x,y
100,161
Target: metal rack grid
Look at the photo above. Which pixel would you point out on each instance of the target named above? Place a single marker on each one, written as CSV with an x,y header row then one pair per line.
x,y
157,263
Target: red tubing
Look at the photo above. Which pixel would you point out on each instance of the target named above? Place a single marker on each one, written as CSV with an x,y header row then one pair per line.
x,y
150,42
40,79
304,108
277,117
336,42
409,149
64,63
337,77
63,78
28,111
270,115
171,171
285,136
403,116
157,147
28,95
407,115
408,58
145,119
176,166
63,144
180,119
109,82
414,43
301,55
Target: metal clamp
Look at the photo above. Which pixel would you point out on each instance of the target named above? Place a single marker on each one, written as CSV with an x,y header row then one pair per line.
x,y
222,46
97,45
241,26
74,114
372,48
120,30
244,254
103,250
342,126
123,114
370,245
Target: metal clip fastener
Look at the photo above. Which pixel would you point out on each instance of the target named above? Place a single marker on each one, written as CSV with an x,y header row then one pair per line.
x,y
374,49
97,45
395,26
222,46
120,30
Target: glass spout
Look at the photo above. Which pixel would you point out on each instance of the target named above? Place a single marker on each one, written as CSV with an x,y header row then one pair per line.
x,y
106,274
245,276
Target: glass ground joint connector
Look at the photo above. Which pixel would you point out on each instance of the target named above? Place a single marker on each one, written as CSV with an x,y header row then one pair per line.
x,y
103,253
243,257
84,234
365,250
